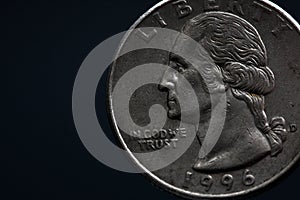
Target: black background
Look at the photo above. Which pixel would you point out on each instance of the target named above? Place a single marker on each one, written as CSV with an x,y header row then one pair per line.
x,y
43,45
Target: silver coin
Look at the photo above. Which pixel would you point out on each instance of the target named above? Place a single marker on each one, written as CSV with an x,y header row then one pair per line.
x,y
242,55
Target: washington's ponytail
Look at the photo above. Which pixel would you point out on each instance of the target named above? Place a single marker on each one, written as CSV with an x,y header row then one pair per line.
x,y
237,49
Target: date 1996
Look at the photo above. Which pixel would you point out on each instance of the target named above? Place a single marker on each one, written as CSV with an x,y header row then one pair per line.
x,y
207,181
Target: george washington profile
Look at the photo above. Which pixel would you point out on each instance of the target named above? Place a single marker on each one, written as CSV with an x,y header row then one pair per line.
x,y
239,68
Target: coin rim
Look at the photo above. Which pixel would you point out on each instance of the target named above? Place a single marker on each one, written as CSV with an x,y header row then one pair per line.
x,y
163,184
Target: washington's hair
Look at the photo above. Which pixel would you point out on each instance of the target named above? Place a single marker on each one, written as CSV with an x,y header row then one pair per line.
x,y
241,58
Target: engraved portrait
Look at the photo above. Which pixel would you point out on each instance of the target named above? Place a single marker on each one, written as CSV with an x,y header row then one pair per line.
x,y
239,68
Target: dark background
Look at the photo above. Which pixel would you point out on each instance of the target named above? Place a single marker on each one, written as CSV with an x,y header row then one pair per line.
x,y
43,45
